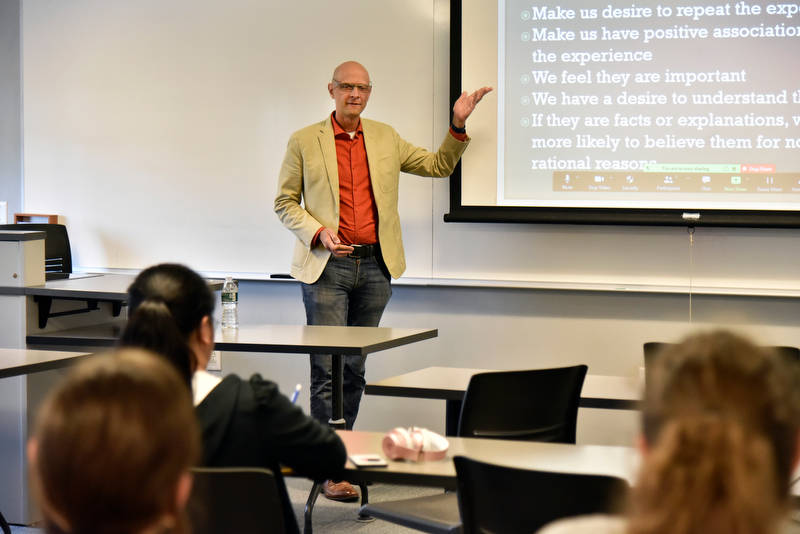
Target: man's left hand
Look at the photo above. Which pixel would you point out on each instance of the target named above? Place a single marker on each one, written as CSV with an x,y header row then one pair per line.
x,y
466,104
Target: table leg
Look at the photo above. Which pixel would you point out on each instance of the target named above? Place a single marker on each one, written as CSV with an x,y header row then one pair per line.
x,y
4,526
336,421
337,395
452,414
309,509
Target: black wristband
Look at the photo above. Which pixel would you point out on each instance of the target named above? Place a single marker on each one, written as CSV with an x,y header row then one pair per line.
x,y
458,130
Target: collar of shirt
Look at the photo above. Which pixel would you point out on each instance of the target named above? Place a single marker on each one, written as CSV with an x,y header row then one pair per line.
x,y
202,384
338,130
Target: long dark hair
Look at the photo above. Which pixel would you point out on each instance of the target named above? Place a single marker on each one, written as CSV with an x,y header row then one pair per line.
x,y
720,418
166,303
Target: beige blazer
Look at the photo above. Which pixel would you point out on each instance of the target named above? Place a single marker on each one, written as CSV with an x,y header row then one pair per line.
x,y
308,188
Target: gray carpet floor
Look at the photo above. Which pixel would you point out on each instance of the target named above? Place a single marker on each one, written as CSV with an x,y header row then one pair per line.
x,y
330,517
339,517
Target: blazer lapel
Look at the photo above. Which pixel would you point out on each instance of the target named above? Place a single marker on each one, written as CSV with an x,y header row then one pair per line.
x,y
327,145
371,146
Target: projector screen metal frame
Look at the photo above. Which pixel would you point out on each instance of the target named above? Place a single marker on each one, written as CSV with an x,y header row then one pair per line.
x,y
689,217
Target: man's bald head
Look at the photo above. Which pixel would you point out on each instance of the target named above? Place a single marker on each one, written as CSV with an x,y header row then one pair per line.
x,y
350,88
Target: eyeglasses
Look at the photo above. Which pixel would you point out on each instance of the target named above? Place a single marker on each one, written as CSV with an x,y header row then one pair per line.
x,y
348,87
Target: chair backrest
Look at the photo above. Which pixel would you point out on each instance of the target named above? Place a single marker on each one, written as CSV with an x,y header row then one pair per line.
x,y
235,499
651,350
57,252
532,499
532,405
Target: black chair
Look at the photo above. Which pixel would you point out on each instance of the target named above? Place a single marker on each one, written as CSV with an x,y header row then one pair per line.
x,y
537,497
534,405
235,499
57,252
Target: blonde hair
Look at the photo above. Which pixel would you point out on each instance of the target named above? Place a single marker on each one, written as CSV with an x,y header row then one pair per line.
x,y
720,418
111,443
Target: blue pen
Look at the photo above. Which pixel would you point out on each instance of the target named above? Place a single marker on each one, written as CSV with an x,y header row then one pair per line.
x,y
296,393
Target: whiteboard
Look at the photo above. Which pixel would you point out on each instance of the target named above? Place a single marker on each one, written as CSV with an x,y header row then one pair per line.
x,y
157,129
139,116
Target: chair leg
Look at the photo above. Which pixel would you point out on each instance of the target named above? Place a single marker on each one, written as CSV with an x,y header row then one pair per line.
x,y
4,525
312,499
364,518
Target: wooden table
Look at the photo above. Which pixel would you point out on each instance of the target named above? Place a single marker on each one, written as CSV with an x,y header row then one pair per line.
x,y
582,459
293,339
450,383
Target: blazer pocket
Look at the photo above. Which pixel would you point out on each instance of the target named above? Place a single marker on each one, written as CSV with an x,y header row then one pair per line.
x,y
301,256
388,173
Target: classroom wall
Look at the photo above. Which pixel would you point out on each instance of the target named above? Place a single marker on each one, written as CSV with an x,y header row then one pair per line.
x,y
10,107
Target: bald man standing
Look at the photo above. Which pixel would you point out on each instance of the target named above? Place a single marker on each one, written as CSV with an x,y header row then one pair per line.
x,y
338,194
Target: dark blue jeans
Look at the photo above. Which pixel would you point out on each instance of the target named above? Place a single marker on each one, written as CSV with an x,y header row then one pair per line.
x,y
350,292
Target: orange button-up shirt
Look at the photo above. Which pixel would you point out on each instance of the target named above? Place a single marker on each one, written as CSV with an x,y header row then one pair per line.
x,y
358,215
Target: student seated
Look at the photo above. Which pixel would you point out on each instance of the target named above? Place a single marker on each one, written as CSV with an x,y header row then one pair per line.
x,y
113,447
244,423
720,443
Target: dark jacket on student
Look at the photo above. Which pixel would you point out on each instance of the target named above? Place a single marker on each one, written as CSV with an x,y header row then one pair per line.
x,y
251,424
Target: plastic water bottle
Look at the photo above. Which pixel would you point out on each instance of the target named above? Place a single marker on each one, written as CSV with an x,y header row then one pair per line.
x,y
230,304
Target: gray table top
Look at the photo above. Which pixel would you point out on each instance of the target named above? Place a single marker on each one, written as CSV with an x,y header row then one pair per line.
x,y
295,339
93,286
303,339
622,462
584,459
450,383
17,362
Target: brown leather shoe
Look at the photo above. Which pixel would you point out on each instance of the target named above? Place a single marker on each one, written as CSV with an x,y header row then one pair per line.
x,y
339,491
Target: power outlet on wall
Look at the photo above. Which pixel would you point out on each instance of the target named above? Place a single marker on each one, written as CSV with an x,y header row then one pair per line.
x,y
215,363
3,212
